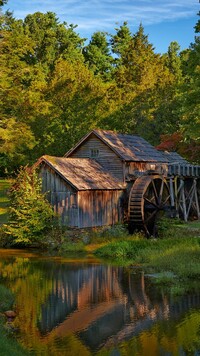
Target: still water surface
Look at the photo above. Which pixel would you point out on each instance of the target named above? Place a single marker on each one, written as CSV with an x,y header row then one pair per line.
x,y
86,307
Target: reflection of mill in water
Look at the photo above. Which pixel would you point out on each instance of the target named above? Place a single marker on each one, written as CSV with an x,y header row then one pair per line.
x,y
103,302
79,295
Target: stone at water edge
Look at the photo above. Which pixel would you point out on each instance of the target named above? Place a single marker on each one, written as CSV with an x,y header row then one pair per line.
x,y
10,314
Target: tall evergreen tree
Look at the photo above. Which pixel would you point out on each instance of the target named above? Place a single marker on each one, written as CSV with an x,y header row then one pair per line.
x,y
139,64
173,60
97,55
120,41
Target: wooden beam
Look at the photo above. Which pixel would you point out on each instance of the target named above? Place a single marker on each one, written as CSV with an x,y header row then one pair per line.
x,y
197,200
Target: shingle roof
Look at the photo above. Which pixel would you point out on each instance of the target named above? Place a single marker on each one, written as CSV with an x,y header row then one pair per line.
x,y
174,157
82,173
127,147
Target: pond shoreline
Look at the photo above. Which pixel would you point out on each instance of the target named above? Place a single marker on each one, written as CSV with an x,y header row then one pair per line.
x,y
88,294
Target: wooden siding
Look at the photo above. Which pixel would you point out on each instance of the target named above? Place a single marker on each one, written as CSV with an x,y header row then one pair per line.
x,y
99,208
184,170
135,168
88,208
107,158
62,196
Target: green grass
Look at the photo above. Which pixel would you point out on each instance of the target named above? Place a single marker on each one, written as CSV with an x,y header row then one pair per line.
x,y
4,200
8,344
174,257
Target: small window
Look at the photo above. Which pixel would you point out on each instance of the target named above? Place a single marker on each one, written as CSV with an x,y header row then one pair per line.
x,y
94,153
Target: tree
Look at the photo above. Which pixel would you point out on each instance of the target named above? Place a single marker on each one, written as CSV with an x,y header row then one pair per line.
x,y
139,68
173,61
30,50
3,2
176,142
16,139
30,212
51,39
76,98
15,77
97,55
190,124
145,83
120,41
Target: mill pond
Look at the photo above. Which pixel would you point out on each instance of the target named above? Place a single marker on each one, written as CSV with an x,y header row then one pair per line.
x,y
89,307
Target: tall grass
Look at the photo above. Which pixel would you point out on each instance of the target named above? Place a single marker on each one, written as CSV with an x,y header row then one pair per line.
x,y
180,256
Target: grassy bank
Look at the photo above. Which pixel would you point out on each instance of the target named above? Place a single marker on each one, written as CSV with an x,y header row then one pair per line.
x,y
171,259
8,344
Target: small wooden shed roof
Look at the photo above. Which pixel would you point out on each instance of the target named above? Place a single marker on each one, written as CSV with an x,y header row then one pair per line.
x,y
127,147
82,173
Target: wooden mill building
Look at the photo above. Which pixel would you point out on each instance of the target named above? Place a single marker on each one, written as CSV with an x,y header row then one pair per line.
x,y
110,177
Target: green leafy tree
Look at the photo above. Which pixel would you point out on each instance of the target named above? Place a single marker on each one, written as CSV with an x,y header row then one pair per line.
x,y
30,212
29,49
97,55
51,39
16,135
16,139
78,100
190,123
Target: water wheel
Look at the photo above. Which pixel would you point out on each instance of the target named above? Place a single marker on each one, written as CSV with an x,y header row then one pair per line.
x,y
149,197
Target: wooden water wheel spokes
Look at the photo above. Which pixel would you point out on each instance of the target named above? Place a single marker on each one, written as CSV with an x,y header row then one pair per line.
x,y
149,197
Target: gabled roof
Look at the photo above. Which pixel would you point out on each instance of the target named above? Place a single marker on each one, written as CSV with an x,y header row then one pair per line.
x,y
127,147
174,157
81,173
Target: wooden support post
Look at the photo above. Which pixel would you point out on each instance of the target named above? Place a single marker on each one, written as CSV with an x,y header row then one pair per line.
x,y
171,190
176,195
190,198
181,201
184,201
197,200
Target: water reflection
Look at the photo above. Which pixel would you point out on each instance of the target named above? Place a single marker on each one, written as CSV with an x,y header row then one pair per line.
x,y
86,307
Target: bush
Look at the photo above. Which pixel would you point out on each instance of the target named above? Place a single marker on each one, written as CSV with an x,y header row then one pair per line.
x,y
30,212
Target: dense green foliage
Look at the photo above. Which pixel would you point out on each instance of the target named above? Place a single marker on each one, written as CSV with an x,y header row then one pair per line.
x,y
30,212
4,200
55,88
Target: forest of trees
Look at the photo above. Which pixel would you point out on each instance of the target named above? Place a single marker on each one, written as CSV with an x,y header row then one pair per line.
x,y
54,88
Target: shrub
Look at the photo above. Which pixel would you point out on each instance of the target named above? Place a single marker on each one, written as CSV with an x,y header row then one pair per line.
x,y
30,212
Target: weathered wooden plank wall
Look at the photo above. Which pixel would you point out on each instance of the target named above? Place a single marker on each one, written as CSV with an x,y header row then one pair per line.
x,y
84,208
133,168
98,208
61,195
106,157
